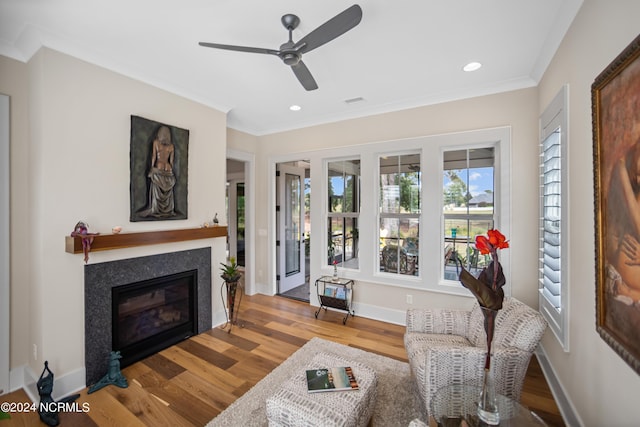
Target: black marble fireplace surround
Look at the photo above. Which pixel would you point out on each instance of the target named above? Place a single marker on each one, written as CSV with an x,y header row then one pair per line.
x,y
100,278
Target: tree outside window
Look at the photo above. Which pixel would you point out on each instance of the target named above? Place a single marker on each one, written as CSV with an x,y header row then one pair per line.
x,y
343,211
399,206
468,207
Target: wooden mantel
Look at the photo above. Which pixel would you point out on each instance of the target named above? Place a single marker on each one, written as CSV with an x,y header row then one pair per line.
x,y
105,242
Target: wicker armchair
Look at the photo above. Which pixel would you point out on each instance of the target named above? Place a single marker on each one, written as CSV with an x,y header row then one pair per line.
x,y
447,347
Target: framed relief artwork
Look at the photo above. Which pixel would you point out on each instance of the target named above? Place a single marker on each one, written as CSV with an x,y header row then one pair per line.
x,y
159,171
615,97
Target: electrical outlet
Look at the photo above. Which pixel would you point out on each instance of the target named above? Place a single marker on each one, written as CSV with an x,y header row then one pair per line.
x,y
409,299
35,352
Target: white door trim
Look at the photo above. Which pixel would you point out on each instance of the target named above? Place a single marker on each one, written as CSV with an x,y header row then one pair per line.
x,y
5,276
287,283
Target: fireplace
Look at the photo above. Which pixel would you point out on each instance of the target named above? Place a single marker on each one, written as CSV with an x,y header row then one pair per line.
x,y
103,280
151,315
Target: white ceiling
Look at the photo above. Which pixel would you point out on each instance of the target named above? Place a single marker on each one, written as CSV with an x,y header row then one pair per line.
x,y
403,54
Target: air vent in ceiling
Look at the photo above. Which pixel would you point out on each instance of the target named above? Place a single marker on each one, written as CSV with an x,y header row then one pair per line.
x,y
354,100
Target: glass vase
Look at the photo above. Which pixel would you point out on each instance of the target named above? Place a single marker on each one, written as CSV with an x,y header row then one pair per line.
x,y
335,273
487,405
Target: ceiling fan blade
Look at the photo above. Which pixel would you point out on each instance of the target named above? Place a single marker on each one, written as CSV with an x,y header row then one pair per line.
x,y
240,48
334,27
304,76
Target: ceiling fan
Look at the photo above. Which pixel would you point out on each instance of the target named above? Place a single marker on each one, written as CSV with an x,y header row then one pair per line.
x,y
291,52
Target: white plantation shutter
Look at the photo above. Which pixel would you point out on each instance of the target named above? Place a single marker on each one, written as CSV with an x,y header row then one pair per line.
x,y
551,218
552,226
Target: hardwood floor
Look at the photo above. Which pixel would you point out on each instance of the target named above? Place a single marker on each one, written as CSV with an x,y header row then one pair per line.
x,y
190,383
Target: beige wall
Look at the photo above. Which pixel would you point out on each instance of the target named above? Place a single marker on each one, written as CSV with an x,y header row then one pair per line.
x,y
70,161
242,141
601,385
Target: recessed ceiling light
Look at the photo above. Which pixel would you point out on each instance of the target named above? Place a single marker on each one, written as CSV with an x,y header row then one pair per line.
x,y
295,108
472,66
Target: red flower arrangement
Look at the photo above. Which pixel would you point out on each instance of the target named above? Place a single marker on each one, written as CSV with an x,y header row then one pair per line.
x,y
491,244
487,288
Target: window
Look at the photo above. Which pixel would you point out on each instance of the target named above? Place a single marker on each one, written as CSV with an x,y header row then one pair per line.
x,y
468,207
552,233
344,209
381,211
399,207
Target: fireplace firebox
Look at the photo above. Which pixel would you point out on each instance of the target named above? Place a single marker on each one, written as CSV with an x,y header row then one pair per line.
x,y
153,314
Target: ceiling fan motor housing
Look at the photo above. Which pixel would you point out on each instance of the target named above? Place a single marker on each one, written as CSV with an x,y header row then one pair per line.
x,y
290,58
289,54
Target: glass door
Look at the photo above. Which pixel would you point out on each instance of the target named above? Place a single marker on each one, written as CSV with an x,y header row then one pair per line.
x,y
291,248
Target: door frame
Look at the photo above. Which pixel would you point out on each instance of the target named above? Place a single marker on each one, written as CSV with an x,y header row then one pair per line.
x,y
250,216
5,266
300,276
272,237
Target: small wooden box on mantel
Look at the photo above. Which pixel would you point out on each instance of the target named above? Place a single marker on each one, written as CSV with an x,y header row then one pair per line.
x,y
105,242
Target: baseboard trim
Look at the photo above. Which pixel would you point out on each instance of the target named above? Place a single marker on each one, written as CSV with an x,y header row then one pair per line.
x,y
29,380
566,408
397,317
16,378
64,385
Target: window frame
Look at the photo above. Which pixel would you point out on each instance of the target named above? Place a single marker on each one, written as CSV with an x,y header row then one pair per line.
x,y
398,215
500,141
431,233
555,116
468,217
354,214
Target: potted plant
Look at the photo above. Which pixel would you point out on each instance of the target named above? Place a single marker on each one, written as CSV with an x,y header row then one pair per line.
x,y
231,275
230,271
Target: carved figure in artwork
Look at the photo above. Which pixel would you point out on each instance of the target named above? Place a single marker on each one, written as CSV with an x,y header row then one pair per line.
x,y
161,202
114,376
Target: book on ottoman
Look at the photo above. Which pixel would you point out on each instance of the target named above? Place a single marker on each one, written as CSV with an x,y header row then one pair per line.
x,y
331,379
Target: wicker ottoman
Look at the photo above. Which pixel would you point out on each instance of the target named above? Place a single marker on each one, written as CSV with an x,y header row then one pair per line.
x,y
293,406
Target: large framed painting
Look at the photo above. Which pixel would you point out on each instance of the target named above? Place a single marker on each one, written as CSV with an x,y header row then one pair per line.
x,y
159,155
615,97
